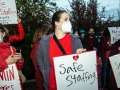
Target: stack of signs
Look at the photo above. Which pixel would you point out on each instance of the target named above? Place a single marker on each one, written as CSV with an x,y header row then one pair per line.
x,y
114,34
8,12
9,79
115,63
76,72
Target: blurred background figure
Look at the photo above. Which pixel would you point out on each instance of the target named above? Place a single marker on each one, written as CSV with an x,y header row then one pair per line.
x,y
71,32
76,33
40,31
90,42
82,34
106,49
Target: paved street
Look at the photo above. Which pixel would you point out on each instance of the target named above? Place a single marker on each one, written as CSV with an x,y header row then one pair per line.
x,y
30,85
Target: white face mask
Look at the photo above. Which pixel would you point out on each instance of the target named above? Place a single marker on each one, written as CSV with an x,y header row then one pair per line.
x,y
66,27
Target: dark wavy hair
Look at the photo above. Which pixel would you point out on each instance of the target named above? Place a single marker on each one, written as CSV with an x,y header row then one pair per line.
x,y
3,29
56,17
106,31
92,28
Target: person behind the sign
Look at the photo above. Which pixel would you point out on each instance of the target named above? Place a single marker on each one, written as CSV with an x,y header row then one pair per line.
x,y
48,48
106,48
90,42
20,35
114,50
82,35
6,56
40,31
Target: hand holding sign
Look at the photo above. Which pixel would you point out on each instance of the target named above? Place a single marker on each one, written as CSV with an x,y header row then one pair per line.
x,y
77,74
10,60
78,51
18,19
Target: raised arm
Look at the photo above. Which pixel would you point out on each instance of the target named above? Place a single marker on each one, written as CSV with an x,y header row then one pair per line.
x,y
20,35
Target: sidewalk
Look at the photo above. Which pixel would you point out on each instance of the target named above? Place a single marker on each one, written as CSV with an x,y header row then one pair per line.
x,y
30,85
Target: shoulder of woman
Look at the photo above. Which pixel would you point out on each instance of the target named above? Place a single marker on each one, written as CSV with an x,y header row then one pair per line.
x,y
44,37
74,36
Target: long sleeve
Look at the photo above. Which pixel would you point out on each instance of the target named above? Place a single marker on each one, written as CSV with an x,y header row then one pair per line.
x,y
114,49
19,36
104,44
3,65
40,59
33,55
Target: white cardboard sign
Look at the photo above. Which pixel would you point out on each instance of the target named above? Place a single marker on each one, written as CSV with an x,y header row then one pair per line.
x,y
8,12
115,63
9,79
114,34
76,72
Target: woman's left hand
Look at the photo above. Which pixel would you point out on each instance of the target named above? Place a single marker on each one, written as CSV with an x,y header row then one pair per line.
x,y
18,19
79,51
17,57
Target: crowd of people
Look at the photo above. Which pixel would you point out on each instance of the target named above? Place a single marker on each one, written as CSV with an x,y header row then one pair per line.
x,y
56,40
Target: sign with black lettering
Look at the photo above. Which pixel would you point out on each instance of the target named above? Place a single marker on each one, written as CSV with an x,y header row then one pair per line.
x,y
114,34
76,72
9,79
8,12
115,63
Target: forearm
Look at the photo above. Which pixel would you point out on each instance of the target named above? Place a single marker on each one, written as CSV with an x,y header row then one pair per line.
x,y
20,64
19,36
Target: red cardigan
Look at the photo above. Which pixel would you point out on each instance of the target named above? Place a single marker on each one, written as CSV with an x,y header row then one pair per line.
x,y
38,76
4,53
104,47
19,36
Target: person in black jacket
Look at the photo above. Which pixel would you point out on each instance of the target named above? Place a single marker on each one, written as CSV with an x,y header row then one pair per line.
x,y
91,43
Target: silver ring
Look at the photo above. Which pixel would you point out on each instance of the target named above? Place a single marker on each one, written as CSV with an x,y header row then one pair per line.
x,y
14,61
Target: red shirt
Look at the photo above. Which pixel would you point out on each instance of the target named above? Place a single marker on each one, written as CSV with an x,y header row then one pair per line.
x,y
54,51
91,41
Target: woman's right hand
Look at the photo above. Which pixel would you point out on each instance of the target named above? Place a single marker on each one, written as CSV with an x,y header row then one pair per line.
x,y
10,60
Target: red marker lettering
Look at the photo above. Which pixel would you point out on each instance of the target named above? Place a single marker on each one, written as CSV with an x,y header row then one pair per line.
x,y
11,73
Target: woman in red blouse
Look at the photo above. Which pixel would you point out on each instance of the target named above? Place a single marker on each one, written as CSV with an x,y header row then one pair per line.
x,y
41,30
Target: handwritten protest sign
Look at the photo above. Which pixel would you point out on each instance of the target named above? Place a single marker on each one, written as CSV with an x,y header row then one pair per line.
x,y
9,79
76,72
115,63
8,12
114,34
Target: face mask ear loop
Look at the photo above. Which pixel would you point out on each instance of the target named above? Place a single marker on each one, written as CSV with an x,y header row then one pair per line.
x,y
58,26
